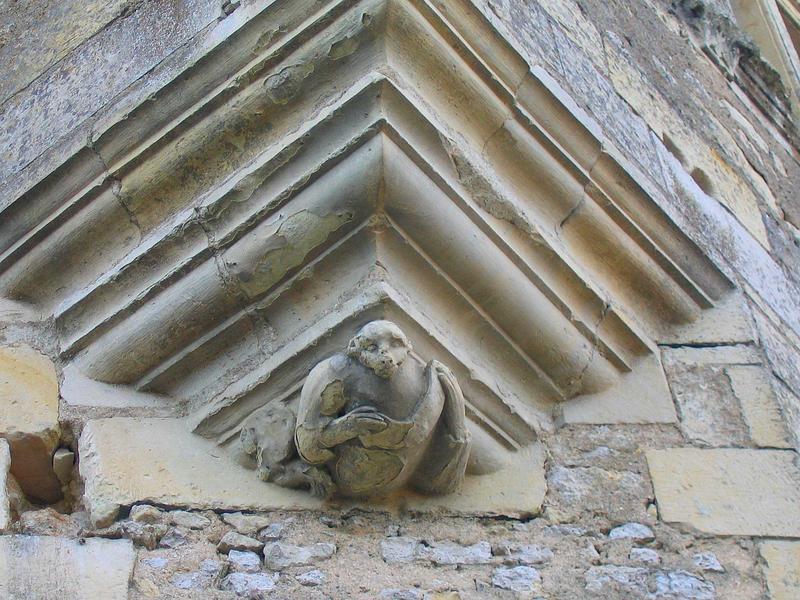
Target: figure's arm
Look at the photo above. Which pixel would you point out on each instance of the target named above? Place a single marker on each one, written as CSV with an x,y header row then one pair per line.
x,y
317,429
363,420
427,412
442,470
454,411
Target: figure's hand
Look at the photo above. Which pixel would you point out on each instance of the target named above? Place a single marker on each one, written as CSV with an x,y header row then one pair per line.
x,y
365,420
445,375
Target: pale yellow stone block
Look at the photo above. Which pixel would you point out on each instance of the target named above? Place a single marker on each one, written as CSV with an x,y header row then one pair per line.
x,y
759,406
782,569
29,420
52,568
728,491
29,391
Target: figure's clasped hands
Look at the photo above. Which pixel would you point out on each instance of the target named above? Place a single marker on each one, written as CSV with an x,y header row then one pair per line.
x,y
365,420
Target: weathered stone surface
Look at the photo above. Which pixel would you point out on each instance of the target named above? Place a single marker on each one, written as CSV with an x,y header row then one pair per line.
x,y
50,522
237,541
5,504
168,458
40,34
272,532
728,492
63,461
525,554
174,538
205,577
707,561
88,78
516,579
144,513
782,569
244,561
189,520
398,594
637,582
150,536
404,549
399,549
646,399
452,553
279,556
29,390
575,491
759,405
645,555
254,586
608,578
311,578
83,570
710,413
679,585
169,455
246,524
632,531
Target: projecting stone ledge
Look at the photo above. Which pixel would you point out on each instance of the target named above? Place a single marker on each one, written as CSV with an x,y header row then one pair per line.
x,y
728,491
125,461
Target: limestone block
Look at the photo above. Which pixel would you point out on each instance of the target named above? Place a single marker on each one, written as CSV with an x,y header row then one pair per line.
x,y
29,421
125,461
5,505
759,406
89,77
645,399
52,568
44,36
728,491
709,411
727,323
782,569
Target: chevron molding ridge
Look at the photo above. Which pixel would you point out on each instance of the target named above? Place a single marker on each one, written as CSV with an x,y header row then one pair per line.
x,y
370,158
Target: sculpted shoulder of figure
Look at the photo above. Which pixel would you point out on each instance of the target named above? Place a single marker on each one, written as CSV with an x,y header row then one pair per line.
x,y
369,422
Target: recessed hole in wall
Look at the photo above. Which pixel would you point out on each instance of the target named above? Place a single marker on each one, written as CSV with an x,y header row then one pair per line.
x,y
702,180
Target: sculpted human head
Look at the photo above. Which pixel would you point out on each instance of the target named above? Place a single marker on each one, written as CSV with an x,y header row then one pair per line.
x,y
380,346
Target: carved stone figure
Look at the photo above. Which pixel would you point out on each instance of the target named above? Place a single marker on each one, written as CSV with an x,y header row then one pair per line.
x,y
369,422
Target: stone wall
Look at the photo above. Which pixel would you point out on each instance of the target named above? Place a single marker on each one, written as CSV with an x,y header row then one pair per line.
x,y
700,502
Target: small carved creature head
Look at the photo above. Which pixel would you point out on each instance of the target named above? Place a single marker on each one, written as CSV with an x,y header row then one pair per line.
x,y
381,346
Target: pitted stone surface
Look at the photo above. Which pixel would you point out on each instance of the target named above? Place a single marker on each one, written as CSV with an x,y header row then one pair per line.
x,y
279,556
5,504
189,520
244,561
75,569
445,552
632,531
728,492
237,541
253,586
516,579
782,569
246,524
170,455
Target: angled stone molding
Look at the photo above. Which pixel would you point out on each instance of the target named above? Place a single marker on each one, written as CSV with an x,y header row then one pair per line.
x,y
335,163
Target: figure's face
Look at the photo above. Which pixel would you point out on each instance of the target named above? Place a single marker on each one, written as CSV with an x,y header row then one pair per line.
x,y
383,348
